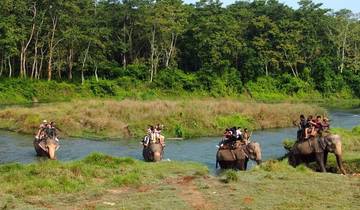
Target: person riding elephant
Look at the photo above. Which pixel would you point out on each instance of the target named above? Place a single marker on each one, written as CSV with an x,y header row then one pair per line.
x,y
153,144
238,157
46,141
316,149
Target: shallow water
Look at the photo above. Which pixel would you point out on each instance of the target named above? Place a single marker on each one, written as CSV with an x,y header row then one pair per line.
x,y
19,148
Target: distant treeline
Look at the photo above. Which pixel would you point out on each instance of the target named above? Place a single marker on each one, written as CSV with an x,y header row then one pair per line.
x,y
198,46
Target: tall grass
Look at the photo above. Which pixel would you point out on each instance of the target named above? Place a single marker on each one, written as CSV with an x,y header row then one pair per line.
x,y
129,118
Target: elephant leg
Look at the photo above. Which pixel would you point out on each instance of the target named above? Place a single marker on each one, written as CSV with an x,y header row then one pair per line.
x,y
320,161
245,163
293,160
340,165
240,165
325,158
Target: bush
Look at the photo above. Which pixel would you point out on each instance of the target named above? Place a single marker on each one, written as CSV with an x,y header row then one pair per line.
x,y
176,79
265,88
288,144
231,176
291,85
326,79
107,161
102,88
179,131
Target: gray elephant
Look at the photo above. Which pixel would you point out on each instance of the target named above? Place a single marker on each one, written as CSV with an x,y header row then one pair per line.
x,y
46,147
317,149
153,152
238,157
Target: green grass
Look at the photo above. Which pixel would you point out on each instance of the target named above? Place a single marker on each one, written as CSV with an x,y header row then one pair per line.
x,y
97,173
104,182
276,185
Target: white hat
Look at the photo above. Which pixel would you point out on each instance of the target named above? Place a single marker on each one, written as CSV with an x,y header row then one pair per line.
x,y
44,121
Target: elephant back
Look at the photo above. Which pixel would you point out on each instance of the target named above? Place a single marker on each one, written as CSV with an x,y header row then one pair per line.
x,y
307,147
230,154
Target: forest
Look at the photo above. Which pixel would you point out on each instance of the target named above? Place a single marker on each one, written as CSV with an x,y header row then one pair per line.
x,y
168,44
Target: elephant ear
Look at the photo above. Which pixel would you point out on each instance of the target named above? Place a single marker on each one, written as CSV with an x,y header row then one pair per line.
x,y
330,144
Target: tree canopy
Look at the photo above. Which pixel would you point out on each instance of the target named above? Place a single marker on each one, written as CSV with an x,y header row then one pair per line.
x,y
72,40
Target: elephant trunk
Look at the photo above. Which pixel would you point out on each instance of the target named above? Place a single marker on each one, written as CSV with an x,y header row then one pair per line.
x,y
339,163
157,156
258,162
51,152
51,146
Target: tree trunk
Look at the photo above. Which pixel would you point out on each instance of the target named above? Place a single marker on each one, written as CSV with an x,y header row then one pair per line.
x,y
10,68
21,60
41,63
24,48
34,69
343,48
124,37
59,70
152,57
156,65
171,49
130,56
266,69
83,64
96,75
2,66
51,48
70,63
293,70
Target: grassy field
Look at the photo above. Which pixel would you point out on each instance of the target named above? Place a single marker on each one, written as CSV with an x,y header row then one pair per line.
x,y
104,182
129,118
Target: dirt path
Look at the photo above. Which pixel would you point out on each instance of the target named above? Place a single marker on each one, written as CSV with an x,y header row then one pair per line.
x,y
191,195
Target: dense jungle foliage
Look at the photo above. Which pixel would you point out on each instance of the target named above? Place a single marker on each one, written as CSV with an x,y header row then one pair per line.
x,y
249,46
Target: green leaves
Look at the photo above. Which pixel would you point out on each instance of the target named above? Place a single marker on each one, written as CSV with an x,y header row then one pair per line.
x,y
105,39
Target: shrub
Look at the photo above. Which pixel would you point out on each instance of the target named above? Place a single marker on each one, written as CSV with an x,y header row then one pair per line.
x,y
288,144
231,176
102,88
107,161
291,85
179,131
176,79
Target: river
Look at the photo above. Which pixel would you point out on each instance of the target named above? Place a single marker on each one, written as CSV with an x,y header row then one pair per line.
x,y
18,148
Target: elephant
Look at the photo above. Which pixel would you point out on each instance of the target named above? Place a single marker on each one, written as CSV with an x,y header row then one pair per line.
x,y
46,147
153,152
317,149
238,158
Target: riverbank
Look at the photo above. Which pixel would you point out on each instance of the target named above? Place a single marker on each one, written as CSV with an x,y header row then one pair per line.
x,y
130,118
101,181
